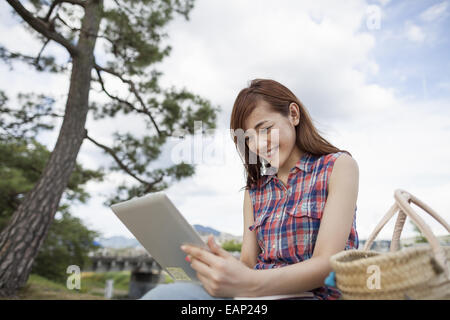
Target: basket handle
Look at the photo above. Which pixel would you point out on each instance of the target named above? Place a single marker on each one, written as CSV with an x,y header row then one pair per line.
x,y
402,200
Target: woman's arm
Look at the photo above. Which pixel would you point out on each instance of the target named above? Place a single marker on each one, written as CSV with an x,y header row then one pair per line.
x,y
333,233
250,248
221,273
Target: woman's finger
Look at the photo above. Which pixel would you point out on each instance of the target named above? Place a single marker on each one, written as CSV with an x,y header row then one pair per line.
x,y
206,282
216,249
204,255
201,267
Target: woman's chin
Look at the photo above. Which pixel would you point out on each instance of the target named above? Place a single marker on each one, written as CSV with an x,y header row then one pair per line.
x,y
274,161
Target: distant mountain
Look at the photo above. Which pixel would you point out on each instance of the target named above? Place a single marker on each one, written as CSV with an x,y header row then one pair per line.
x,y
220,237
202,230
118,242
121,242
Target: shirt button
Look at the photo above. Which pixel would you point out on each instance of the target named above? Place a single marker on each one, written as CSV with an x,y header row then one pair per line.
x,y
278,216
273,246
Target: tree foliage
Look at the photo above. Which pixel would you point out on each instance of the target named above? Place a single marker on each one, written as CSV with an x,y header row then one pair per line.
x,y
130,40
420,238
69,240
232,245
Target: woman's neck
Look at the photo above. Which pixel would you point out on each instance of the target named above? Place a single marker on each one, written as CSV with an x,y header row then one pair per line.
x,y
290,162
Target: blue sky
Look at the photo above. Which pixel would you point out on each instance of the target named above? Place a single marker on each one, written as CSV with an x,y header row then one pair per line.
x,y
413,48
383,94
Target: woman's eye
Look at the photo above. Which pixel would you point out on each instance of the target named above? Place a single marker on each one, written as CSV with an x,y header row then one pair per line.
x,y
250,138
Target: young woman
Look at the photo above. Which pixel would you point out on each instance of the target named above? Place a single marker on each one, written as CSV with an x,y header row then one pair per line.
x,y
299,205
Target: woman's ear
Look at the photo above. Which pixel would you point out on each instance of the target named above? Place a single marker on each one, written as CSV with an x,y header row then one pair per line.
x,y
294,114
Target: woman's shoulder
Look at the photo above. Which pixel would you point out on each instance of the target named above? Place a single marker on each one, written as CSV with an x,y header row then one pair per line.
x,y
338,161
345,159
344,165
339,157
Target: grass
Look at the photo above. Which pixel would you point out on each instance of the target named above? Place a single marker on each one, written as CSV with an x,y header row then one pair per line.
x,y
166,277
92,287
40,288
91,281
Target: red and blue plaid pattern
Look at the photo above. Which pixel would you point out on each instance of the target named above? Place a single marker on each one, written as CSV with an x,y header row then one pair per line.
x,y
287,218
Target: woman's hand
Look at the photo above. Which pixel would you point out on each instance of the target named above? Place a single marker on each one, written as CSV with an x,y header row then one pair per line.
x,y
221,274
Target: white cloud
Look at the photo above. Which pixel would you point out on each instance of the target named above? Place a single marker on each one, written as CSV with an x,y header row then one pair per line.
x,y
445,85
399,148
384,2
414,33
280,42
435,12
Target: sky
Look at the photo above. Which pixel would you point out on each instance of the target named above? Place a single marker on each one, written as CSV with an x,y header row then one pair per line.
x,y
374,76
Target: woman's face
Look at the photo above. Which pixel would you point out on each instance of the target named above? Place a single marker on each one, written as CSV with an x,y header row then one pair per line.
x,y
271,135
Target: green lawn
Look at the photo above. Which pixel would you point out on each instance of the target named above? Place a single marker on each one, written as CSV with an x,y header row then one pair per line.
x,y
92,282
92,287
40,288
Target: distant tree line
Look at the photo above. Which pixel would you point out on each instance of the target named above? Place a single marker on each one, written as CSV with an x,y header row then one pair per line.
x,y
232,245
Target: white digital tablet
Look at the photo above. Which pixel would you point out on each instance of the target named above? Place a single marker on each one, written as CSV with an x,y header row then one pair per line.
x,y
161,229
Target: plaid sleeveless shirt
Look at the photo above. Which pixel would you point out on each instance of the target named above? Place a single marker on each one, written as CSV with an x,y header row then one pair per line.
x,y
287,218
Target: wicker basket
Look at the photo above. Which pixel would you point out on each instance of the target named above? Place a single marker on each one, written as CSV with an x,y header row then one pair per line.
x,y
420,272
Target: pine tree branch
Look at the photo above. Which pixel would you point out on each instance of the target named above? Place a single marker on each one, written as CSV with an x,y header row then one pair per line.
x,y
36,61
42,27
7,55
111,152
116,98
58,17
50,10
144,109
22,118
57,2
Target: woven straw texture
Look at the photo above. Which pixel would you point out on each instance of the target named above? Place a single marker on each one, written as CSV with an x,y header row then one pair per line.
x,y
407,274
420,272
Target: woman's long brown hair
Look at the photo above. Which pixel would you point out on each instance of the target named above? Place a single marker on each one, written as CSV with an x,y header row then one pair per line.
x,y
279,98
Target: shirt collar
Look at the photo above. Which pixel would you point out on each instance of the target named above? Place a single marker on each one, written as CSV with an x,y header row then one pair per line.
x,y
304,163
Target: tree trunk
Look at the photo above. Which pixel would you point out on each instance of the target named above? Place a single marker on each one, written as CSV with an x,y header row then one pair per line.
x,y
21,239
